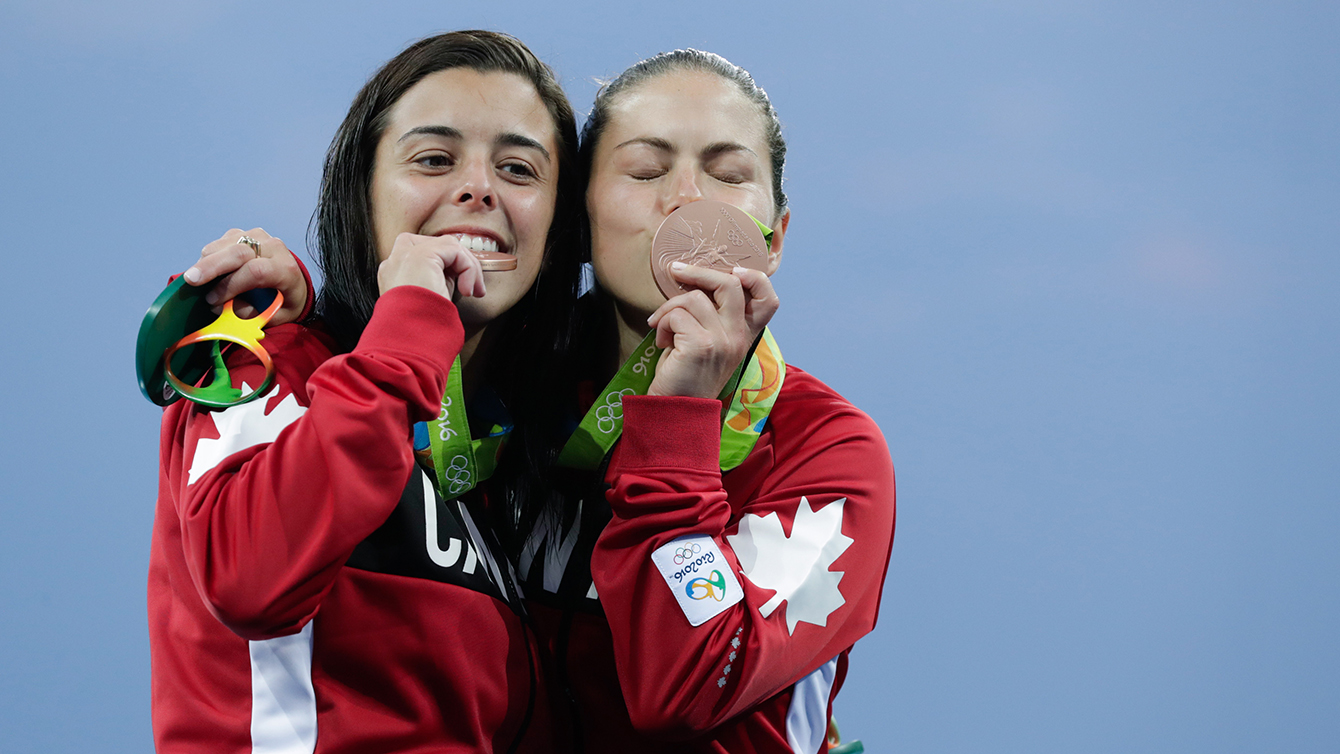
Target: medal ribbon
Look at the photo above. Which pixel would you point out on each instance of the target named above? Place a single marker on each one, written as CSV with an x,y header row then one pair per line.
x,y
603,422
755,391
459,462
749,396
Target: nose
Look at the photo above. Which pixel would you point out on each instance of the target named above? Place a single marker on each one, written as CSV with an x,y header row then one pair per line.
x,y
475,191
683,188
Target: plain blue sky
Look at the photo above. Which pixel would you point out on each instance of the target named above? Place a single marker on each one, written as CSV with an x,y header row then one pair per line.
x,y
1078,259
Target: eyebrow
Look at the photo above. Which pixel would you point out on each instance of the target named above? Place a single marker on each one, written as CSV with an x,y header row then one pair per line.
x,y
711,150
444,131
508,139
654,142
725,147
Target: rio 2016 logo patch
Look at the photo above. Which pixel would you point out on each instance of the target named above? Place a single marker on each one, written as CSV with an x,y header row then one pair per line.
x,y
712,587
699,576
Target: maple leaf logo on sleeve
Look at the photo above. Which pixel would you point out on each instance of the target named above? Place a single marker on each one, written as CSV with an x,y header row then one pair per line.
x,y
241,427
795,567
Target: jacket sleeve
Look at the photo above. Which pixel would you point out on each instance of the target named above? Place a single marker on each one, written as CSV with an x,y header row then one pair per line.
x,y
804,556
311,290
273,495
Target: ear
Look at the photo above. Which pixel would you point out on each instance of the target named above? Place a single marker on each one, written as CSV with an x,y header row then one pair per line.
x,y
775,249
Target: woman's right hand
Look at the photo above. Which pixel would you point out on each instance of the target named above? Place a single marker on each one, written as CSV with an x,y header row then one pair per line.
x,y
707,331
238,268
438,263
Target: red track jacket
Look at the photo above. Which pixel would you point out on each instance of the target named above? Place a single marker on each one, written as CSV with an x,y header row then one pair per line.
x,y
308,590
703,611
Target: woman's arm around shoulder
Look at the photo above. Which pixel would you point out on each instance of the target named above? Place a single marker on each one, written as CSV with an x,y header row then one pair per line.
x,y
273,495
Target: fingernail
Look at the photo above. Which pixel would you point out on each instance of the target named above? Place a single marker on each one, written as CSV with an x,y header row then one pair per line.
x,y
677,265
649,319
212,297
192,275
737,270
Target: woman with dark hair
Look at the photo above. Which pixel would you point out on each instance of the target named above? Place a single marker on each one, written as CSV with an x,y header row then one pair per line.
x,y
315,583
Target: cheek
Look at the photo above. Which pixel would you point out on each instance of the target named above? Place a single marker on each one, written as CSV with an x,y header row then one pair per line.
x,y
398,206
621,226
761,205
534,215
612,203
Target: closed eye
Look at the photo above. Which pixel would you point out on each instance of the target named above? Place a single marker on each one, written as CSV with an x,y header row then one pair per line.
x,y
729,177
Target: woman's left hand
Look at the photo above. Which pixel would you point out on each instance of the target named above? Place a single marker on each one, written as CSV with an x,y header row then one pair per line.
x,y
707,331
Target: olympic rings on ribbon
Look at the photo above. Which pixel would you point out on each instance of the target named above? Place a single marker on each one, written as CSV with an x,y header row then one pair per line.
x,y
611,413
458,473
685,554
229,327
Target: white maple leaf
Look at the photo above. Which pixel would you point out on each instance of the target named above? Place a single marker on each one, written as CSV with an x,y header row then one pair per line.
x,y
241,427
795,567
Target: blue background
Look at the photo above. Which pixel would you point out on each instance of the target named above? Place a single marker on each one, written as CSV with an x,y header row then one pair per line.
x,y
1078,259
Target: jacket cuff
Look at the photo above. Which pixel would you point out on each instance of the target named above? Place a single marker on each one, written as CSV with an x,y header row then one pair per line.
x,y
311,289
671,431
415,321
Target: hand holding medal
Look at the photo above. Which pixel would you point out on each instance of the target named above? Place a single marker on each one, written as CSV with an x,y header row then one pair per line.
x,y
444,264
231,267
710,260
179,344
701,334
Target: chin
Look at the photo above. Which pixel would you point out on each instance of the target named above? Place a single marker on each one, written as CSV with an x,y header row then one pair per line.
x,y
636,296
479,312
649,298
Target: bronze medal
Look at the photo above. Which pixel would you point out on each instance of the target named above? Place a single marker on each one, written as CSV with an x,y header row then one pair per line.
x,y
495,261
706,234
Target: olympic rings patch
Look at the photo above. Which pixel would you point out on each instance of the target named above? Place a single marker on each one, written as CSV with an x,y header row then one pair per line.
x,y
609,415
686,553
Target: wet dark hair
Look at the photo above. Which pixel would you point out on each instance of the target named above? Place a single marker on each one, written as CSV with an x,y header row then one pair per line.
x,y
533,341
690,60
341,229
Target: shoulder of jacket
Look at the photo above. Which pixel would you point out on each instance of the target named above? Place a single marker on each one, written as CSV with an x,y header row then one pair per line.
x,y
807,400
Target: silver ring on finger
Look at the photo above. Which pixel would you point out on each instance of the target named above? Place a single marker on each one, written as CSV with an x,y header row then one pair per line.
x,y
249,241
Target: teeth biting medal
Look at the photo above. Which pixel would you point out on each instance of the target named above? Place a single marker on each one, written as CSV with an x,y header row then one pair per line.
x,y
490,260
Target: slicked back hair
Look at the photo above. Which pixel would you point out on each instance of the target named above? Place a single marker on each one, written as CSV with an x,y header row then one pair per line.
x,y
690,60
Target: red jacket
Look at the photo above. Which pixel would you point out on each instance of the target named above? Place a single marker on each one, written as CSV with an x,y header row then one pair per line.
x,y
308,591
780,563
